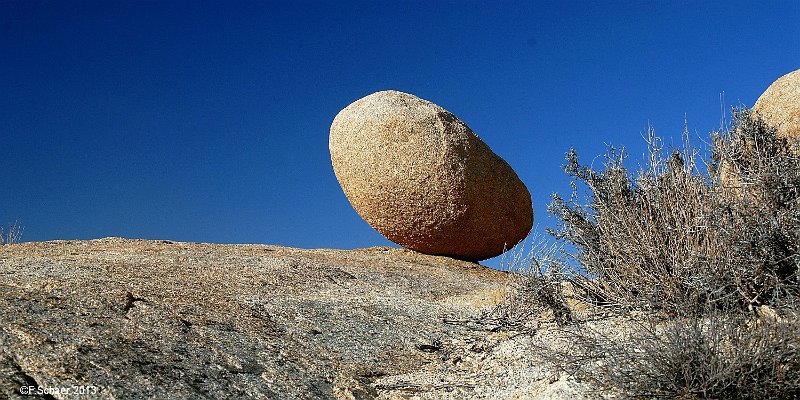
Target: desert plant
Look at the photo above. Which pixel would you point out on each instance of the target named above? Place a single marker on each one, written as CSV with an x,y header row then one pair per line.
x,y
538,278
11,234
758,208
673,239
720,356
695,257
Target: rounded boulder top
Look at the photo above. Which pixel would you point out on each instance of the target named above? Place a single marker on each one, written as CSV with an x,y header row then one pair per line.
x,y
423,179
779,105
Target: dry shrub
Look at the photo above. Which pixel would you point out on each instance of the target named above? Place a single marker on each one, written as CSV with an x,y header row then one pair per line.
x,y
538,280
695,259
759,217
673,239
12,234
718,356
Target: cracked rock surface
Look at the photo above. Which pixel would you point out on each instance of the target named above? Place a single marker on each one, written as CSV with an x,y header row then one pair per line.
x,y
162,319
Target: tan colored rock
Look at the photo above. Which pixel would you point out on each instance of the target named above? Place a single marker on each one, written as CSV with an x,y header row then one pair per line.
x,y
779,105
197,320
424,180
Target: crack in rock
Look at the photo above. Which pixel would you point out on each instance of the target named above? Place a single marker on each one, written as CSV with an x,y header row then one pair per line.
x,y
28,379
130,301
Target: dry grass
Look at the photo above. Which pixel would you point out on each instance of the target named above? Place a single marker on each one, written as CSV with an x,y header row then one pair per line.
x,y
719,356
11,234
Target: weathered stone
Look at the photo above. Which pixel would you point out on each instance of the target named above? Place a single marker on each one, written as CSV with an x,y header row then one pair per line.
x,y
779,105
423,179
136,319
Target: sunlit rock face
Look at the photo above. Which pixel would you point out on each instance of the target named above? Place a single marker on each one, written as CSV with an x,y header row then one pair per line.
x,y
423,179
779,105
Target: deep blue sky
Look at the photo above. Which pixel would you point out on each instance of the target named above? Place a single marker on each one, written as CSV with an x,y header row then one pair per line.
x,y
209,121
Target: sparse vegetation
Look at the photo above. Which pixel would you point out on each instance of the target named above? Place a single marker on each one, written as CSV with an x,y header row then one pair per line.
x,y
11,234
718,356
538,287
695,260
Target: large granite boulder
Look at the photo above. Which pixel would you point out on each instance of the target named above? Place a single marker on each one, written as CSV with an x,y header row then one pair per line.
x,y
424,180
779,105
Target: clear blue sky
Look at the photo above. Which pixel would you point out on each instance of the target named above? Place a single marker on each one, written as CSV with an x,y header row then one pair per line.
x,y
209,121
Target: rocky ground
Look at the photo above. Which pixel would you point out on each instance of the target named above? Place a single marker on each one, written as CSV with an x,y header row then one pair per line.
x,y
117,319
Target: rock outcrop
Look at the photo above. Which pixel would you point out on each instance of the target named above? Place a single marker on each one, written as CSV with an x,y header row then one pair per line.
x,y
779,105
136,319
423,179
154,319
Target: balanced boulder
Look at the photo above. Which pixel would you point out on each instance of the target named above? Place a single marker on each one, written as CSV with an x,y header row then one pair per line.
x,y
423,179
779,105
